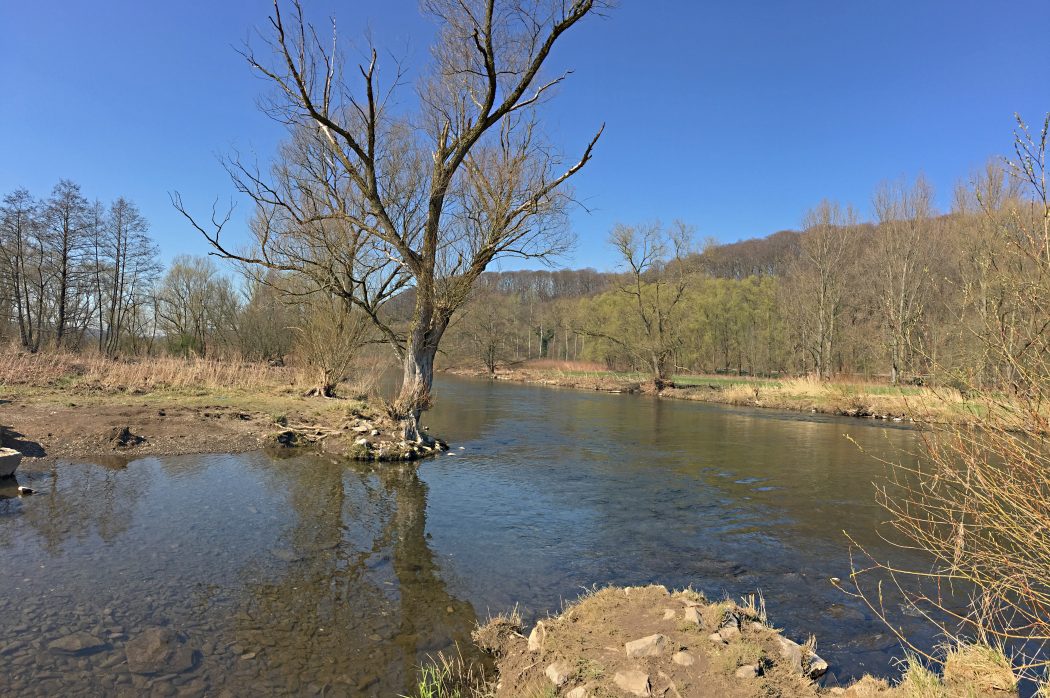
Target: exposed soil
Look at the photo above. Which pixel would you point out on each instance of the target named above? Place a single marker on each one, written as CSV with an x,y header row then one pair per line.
x,y
646,641
47,430
70,431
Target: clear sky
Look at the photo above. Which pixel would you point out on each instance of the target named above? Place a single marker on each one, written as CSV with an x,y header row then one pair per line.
x,y
735,116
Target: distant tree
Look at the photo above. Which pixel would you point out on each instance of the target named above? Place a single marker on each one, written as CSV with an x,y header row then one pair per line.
x,y
818,280
27,274
66,216
903,249
657,274
195,304
487,328
123,265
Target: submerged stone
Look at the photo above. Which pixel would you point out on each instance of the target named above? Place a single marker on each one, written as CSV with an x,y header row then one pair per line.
x,y
77,643
158,651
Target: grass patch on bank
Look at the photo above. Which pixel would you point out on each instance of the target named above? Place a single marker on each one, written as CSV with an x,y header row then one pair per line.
x,y
857,398
167,381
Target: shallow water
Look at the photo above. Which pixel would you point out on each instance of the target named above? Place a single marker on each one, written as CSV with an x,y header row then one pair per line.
x,y
300,576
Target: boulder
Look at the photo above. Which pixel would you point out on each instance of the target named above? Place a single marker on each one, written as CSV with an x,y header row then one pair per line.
x,y
651,646
683,659
158,651
9,460
716,637
77,643
809,665
791,653
729,632
559,672
578,692
748,671
692,615
634,682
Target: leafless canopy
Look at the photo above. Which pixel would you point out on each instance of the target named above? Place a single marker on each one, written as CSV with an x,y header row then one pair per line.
x,y
374,193
365,198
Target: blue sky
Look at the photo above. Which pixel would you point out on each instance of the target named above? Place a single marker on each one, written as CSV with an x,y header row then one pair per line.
x,y
734,116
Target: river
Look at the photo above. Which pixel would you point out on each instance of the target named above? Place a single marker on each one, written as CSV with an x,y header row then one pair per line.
x,y
302,576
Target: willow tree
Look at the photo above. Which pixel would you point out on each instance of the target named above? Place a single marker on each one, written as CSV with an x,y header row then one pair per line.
x,y
391,187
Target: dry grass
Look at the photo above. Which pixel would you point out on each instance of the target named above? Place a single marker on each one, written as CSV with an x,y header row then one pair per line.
x,y
86,372
573,366
63,378
860,399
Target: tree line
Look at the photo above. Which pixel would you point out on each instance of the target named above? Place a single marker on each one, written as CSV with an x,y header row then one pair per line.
x,y
896,298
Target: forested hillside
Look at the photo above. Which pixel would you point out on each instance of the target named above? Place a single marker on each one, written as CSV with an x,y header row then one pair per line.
x,y
894,298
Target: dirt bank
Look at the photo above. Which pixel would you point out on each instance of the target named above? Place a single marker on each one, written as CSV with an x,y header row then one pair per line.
x,y
63,406
646,641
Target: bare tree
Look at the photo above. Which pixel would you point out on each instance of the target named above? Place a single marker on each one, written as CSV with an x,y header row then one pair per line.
x,y
437,194
196,305
25,254
903,251
66,217
658,273
818,280
978,504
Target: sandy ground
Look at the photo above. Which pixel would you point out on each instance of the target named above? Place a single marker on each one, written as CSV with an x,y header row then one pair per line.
x,y
45,431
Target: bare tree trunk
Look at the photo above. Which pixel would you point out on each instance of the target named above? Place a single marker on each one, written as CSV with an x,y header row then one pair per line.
x,y
416,384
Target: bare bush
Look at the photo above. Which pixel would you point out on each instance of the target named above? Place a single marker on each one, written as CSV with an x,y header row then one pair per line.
x,y
978,502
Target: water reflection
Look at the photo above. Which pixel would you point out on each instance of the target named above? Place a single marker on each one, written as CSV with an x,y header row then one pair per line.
x,y
288,577
360,602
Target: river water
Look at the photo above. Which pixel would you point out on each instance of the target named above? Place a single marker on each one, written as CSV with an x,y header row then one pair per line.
x,y
302,576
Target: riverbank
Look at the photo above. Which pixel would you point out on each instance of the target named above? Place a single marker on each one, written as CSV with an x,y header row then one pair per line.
x,y
61,406
646,641
839,398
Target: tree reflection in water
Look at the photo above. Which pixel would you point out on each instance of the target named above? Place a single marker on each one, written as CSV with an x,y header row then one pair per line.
x,y
358,601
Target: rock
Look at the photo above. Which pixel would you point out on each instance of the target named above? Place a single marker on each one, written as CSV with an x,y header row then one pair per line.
x,y
651,646
9,460
816,667
633,682
77,643
537,637
578,692
729,633
748,671
692,615
810,665
669,614
791,653
716,637
683,659
559,672
287,554
158,651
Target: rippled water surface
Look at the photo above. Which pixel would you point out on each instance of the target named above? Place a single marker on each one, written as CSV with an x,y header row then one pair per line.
x,y
300,576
